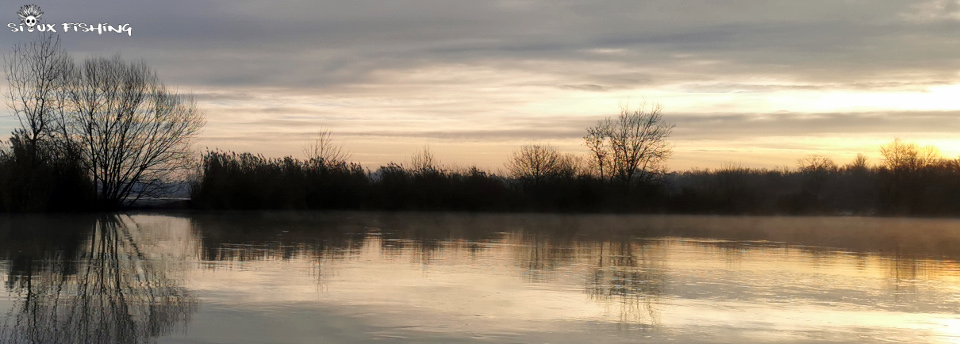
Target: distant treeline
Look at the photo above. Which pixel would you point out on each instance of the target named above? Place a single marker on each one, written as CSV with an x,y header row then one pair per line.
x,y
907,184
911,180
246,181
623,173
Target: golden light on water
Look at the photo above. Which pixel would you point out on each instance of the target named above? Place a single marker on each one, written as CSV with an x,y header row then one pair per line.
x,y
355,277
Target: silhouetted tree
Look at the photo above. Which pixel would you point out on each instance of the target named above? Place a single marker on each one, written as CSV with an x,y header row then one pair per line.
x,y
423,163
36,72
857,189
131,131
37,173
116,119
905,175
858,164
596,141
634,142
817,171
326,150
905,157
535,163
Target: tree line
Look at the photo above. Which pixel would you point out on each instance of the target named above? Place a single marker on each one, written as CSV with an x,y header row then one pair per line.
x,y
910,180
626,176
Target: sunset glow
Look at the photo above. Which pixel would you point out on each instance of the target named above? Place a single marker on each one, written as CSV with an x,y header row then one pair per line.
x,y
757,84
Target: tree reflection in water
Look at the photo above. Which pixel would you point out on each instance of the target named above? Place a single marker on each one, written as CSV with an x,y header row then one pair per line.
x,y
622,271
631,275
104,288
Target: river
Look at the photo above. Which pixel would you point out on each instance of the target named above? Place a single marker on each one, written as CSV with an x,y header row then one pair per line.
x,y
370,277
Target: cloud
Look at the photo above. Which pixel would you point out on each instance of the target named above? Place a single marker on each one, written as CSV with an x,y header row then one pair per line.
x,y
284,122
583,87
329,44
521,71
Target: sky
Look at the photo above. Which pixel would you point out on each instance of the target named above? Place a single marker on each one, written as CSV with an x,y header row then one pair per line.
x,y
749,83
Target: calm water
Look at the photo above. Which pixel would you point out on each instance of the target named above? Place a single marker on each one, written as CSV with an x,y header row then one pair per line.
x,y
285,277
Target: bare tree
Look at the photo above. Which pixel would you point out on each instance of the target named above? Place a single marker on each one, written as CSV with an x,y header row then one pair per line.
x,y
817,171
35,73
132,133
859,164
597,143
815,163
633,144
905,175
123,126
326,150
535,163
423,162
900,157
570,165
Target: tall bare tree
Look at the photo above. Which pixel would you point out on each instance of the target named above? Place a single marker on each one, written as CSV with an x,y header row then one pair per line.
x,y
131,131
35,73
905,175
597,143
127,130
632,145
902,157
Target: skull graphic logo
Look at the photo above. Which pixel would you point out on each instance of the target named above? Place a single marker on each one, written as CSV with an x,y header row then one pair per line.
x,y
29,14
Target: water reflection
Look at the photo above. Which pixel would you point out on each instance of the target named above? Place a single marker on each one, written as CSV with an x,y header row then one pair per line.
x,y
94,281
301,277
633,275
293,232
628,264
276,235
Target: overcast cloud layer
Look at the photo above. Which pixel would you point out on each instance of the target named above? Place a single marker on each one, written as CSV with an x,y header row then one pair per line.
x,y
759,83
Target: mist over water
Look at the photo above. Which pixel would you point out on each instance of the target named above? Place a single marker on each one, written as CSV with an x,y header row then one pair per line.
x,y
357,277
